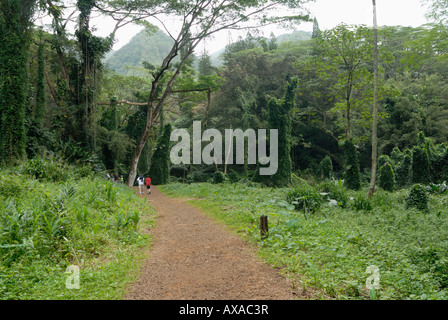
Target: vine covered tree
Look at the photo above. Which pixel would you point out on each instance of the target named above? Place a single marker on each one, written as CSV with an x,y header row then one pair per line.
x,y
352,174
15,37
280,119
201,20
160,161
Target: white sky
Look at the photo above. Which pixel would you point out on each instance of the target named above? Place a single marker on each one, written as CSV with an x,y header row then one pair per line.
x,y
329,13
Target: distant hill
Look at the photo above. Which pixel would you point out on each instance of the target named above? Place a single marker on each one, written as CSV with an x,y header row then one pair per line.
x,y
142,47
154,49
296,35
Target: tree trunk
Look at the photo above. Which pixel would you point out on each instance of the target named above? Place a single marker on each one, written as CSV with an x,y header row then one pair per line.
x,y
139,148
152,113
375,106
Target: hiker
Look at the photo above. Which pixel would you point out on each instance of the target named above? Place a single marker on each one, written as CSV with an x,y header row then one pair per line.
x,y
148,184
140,181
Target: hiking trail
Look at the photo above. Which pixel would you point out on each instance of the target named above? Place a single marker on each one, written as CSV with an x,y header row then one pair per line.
x,y
193,257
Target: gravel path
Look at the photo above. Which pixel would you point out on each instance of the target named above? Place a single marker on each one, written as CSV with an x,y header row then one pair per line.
x,y
195,258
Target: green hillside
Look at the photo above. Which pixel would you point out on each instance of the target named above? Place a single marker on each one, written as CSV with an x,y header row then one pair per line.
x,y
153,48
296,35
142,47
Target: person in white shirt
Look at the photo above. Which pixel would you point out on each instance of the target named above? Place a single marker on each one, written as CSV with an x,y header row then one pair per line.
x,y
141,184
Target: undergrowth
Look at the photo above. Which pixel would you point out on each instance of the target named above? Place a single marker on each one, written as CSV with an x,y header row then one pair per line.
x,y
53,215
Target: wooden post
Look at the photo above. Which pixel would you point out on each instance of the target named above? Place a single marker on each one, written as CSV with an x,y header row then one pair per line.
x,y
264,229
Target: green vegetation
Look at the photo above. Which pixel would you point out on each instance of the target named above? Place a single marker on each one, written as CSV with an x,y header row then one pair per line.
x,y
352,174
330,247
53,215
386,178
160,161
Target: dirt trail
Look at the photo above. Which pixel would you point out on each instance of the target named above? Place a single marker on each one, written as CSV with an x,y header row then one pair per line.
x,y
195,258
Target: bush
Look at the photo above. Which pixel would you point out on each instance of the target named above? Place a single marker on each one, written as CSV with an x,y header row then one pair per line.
x,y
396,156
326,167
403,170
386,177
383,159
417,198
219,177
361,202
421,172
159,170
336,191
304,198
352,174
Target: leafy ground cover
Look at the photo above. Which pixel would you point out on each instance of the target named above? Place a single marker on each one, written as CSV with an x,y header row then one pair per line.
x,y
325,236
53,215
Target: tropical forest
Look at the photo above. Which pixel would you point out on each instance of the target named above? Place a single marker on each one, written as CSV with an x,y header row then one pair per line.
x,y
118,179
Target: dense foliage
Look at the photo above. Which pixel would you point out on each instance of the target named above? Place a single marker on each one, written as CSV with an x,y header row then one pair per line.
x,y
53,215
159,171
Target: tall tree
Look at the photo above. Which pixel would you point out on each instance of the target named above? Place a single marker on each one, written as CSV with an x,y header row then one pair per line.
x,y
15,24
280,119
200,20
375,105
160,161
316,30
39,108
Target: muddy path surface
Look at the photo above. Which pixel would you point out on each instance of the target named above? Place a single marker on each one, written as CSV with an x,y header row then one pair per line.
x,y
196,258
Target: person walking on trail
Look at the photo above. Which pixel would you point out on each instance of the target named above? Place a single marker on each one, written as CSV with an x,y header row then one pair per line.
x,y
148,184
141,182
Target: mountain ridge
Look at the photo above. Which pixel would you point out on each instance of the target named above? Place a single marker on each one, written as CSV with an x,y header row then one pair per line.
x,y
155,46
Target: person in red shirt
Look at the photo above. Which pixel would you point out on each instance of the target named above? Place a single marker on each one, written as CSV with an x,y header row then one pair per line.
x,y
148,184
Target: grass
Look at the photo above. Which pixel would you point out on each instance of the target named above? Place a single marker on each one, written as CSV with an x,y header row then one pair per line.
x,y
48,224
331,247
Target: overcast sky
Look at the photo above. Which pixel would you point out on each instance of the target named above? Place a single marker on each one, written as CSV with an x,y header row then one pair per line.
x,y
329,13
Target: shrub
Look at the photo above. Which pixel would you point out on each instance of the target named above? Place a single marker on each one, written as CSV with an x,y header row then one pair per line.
x,y
11,186
396,156
383,159
417,198
336,191
159,170
304,198
352,174
386,177
326,167
420,165
219,177
361,202
403,170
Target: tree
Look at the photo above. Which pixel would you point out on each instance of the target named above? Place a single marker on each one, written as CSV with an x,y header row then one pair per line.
x,y
39,108
421,172
375,106
437,10
352,174
280,119
316,30
345,59
15,24
326,167
199,21
386,177
160,161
